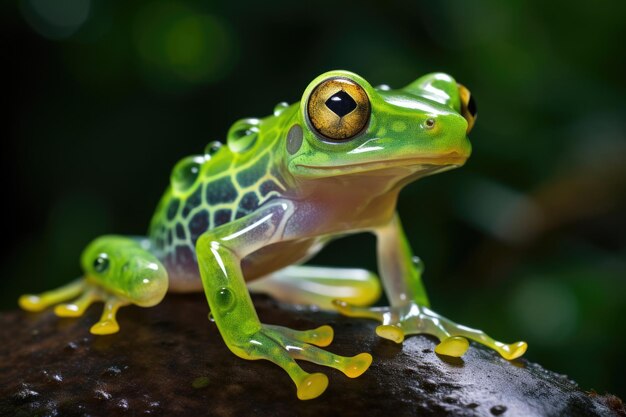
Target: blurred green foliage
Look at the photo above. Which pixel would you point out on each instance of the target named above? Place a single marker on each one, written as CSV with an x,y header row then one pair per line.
x,y
527,241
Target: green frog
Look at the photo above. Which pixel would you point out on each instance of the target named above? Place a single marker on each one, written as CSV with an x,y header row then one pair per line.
x,y
245,215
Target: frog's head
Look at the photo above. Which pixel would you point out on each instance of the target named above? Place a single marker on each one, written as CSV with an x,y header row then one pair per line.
x,y
345,126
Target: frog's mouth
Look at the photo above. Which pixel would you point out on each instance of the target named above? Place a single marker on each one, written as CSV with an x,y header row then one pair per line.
x,y
411,165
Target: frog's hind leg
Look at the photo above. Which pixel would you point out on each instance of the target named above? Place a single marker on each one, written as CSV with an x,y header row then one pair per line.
x,y
118,271
319,286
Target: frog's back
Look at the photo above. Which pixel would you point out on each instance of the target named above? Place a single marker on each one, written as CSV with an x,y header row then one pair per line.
x,y
207,191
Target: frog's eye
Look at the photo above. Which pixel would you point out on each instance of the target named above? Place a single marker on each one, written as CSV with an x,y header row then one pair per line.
x,y
338,109
101,263
468,107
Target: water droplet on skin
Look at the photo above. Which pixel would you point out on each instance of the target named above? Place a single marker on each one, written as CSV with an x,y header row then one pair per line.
x,y
243,134
280,107
211,318
417,262
383,87
212,148
186,172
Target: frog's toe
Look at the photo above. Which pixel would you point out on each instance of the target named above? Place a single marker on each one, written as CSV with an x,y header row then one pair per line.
x,y
412,318
77,307
39,302
347,309
284,346
104,327
350,366
31,302
357,365
455,346
108,320
391,332
322,336
312,386
513,350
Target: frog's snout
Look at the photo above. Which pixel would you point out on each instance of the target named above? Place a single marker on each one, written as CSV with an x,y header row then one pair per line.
x,y
468,107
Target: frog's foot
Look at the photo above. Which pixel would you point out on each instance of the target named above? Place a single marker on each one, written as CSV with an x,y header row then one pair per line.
x,y
283,346
400,321
84,294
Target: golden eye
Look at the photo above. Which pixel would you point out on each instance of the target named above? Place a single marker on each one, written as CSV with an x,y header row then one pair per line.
x,y
468,107
338,109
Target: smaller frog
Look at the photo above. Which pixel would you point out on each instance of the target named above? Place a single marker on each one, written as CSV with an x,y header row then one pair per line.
x,y
245,216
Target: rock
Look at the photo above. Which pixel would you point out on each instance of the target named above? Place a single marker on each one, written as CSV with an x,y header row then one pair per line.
x,y
170,360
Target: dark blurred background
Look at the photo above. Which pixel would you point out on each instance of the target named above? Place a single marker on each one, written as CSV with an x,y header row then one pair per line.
x,y
527,241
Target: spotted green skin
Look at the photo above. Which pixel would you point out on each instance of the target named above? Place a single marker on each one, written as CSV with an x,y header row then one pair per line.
x,y
254,169
272,196
210,190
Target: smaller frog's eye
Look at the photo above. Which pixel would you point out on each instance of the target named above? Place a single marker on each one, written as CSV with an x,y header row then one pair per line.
x,y
468,107
101,263
338,109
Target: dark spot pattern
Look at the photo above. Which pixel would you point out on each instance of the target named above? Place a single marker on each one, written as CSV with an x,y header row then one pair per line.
x,y
170,237
251,175
268,186
172,209
180,232
221,217
193,201
249,202
199,224
221,191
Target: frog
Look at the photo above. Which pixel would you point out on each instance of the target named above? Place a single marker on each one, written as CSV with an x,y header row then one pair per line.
x,y
245,215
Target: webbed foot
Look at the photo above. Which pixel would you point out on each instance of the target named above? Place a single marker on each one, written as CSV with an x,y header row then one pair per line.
x,y
398,322
283,346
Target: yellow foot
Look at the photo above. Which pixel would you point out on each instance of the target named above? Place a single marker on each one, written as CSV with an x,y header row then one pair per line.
x,y
284,346
398,322
86,294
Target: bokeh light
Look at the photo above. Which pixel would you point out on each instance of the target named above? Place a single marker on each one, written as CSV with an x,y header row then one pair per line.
x,y
56,19
180,47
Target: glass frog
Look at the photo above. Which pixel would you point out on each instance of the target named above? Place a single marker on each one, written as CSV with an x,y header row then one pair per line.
x,y
243,216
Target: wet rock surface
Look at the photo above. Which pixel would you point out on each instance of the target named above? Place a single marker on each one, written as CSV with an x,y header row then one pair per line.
x,y
170,360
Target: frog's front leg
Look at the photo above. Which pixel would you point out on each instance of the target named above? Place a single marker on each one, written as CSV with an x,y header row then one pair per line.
x,y
219,253
409,312
118,271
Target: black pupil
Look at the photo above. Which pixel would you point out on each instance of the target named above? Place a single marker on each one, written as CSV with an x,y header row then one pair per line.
x,y
471,106
341,103
101,264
